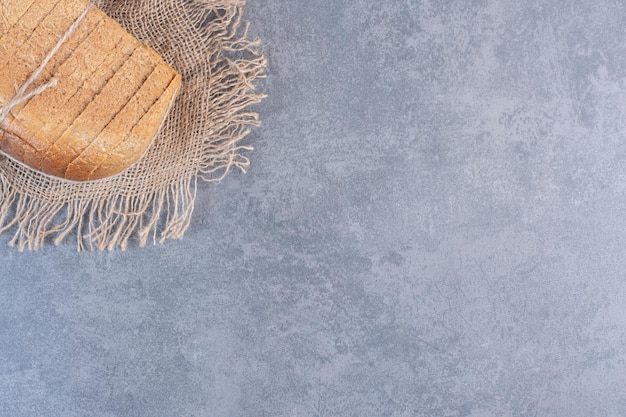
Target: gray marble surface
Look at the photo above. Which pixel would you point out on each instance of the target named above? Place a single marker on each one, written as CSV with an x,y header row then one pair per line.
x,y
433,225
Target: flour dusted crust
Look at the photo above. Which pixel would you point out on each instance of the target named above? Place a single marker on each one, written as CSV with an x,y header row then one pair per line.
x,y
111,97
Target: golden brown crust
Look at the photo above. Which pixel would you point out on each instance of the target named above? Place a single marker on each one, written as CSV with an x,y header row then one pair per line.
x,y
110,90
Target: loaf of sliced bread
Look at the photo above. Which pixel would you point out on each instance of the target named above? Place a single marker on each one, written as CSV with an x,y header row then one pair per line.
x,y
110,99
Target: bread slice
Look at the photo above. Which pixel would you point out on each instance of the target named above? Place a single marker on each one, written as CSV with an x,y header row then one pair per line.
x,y
109,102
81,78
13,11
133,147
111,136
58,65
12,41
68,50
111,97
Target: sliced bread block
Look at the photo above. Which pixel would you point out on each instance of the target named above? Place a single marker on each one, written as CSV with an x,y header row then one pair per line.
x,y
111,96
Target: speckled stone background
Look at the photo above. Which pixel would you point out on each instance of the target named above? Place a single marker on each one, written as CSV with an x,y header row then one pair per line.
x,y
433,225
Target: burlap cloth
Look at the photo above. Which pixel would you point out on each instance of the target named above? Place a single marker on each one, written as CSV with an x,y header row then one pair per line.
x,y
153,201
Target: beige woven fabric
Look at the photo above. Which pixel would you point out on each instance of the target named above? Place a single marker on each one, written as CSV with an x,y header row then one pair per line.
x,y
153,201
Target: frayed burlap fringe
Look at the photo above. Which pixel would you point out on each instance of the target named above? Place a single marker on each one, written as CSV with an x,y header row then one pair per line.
x,y
205,41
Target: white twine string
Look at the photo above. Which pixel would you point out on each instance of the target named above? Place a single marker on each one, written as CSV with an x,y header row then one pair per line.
x,y
21,96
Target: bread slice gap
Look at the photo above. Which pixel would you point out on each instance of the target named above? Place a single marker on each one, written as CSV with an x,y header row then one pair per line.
x,y
85,90
67,51
135,145
45,37
37,116
116,131
47,115
13,41
98,113
39,113
11,12
41,41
